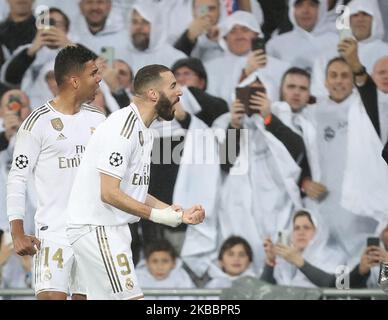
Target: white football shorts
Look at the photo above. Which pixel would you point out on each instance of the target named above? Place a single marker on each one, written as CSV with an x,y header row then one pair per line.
x,y
55,269
104,256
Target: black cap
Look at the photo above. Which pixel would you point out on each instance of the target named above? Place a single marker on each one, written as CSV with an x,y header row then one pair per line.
x,y
193,64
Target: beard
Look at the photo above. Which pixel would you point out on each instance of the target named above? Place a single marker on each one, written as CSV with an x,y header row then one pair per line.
x,y
164,108
141,41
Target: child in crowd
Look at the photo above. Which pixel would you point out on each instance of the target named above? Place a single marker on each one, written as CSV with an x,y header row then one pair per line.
x,y
234,261
162,269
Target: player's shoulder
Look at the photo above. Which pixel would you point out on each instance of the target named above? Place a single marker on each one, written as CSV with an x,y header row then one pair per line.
x,y
124,120
36,117
94,111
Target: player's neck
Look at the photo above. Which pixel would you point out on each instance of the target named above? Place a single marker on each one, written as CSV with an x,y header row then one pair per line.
x,y
66,104
146,111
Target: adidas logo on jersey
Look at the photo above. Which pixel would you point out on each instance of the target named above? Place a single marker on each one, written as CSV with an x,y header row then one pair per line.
x,y
61,137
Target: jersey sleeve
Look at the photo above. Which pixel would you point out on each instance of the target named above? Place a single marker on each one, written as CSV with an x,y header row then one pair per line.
x,y
25,155
115,156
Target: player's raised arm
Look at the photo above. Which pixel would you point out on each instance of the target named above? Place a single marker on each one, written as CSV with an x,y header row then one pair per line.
x,y
161,213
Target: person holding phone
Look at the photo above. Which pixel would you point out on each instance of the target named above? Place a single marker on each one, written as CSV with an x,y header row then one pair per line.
x,y
18,29
373,259
45,45
373,88
367,29
258,102
308,261
200,39
27,66
236,37
267,145
314,261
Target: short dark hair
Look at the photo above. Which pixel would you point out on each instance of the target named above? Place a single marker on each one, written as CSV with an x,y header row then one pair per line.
x,y
71,59
293,70
335,59
65,17
233,241
298,71
303,213
147,75
160,245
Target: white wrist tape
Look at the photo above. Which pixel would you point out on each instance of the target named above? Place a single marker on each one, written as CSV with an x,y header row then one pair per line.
x,y
166,216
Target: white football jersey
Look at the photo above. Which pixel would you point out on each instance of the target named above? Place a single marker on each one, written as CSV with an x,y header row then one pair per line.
x,y
121,147
49,146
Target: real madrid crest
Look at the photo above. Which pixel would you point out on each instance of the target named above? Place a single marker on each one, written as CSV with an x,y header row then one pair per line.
x,y
129,284
57,124
92,129
141,138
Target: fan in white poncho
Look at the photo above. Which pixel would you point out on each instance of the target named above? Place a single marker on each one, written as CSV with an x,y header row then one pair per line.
x,y
316,252
351,167
184,10
104,28
299,123
237,45
177,279
203,47
197,182
256,198
145,23
234,262
162,269
36,57
371,47
303,46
